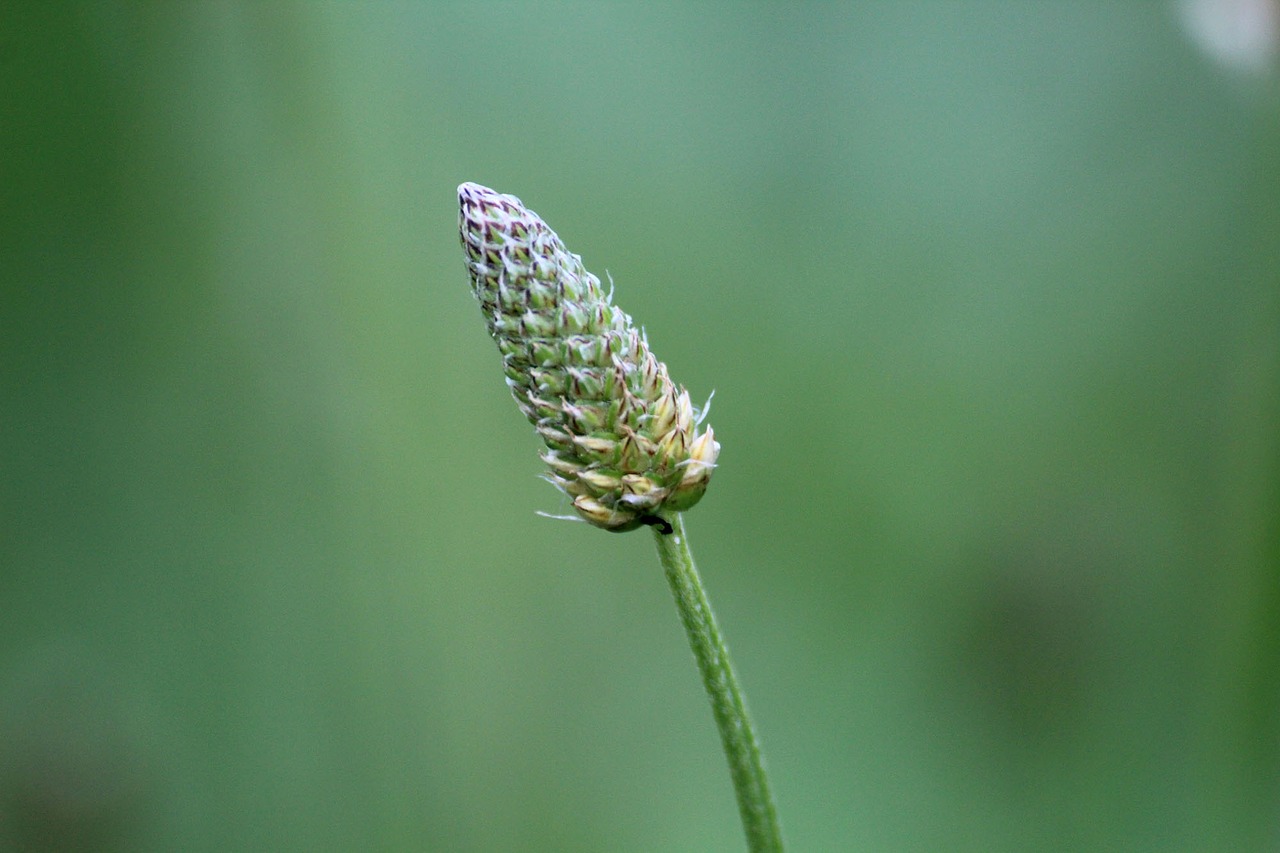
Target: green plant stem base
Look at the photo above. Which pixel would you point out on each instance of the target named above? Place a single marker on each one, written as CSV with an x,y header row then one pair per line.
x,y
755,802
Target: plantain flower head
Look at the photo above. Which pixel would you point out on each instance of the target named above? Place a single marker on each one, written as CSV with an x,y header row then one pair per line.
x,y
623,441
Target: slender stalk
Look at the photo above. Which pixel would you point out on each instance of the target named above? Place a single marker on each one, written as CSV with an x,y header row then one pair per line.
x,y
746,767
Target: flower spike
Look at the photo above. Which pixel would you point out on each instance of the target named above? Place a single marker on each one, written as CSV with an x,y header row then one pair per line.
x,y
623,442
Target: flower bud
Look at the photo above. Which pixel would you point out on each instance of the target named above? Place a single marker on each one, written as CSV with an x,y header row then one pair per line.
x,y
622,439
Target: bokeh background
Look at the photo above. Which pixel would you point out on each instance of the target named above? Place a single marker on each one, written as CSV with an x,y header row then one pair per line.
x,y
989,295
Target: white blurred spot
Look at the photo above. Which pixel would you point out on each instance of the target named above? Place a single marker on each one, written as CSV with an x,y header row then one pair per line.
x,y
1242,35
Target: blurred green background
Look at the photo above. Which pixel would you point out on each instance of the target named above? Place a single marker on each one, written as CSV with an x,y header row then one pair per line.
x,y
989,295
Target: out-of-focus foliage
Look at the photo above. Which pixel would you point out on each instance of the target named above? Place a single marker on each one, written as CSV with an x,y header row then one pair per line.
x,y
989,295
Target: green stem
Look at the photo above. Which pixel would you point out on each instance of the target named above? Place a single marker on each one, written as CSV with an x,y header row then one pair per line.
x,y
755,803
